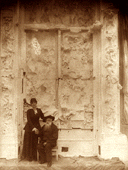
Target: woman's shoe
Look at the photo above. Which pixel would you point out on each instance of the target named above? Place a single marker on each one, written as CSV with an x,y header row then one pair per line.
x,y
49,164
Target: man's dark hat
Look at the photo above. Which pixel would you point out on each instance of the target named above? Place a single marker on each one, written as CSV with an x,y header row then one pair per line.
x,y
49,116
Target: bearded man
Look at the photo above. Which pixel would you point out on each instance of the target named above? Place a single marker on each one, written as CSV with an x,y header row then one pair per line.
x,y
48,135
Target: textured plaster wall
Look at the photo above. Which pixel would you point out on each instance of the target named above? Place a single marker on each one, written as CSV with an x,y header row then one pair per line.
x,y
8,124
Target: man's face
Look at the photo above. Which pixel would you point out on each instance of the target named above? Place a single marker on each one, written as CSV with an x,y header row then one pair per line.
x,y
49,121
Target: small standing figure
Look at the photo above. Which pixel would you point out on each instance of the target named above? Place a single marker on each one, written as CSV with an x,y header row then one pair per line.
x,y
32,129
48,136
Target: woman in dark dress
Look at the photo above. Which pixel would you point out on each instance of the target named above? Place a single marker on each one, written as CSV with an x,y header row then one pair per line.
x,y
32,128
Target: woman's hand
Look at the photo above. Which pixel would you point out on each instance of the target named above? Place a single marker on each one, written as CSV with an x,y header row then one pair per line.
x,y
36,131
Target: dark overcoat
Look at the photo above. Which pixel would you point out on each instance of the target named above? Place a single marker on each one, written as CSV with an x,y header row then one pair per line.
x,y
49,136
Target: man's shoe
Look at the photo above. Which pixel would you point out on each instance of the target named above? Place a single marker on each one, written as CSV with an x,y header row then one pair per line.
x,y
30,160
42,162
49,164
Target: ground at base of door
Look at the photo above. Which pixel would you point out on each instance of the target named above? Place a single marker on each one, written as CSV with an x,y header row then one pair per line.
x,y
72,163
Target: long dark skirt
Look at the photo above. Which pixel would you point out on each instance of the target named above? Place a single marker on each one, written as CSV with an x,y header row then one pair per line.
x,y
30,146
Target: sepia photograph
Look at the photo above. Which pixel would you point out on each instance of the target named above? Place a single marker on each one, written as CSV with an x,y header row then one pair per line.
x,y
63,85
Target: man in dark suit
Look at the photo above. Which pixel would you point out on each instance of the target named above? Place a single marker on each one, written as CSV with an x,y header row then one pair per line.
x,y
48,135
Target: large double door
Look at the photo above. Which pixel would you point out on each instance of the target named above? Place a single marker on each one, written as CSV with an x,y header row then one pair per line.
x,y
58,71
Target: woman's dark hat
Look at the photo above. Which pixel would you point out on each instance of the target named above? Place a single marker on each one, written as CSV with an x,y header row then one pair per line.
x,y
49,116
33,100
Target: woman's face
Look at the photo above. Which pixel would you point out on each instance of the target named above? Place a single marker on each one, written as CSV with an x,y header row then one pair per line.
x,y
34,105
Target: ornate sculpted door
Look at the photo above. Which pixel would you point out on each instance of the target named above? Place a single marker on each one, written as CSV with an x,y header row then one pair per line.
x,y
58,73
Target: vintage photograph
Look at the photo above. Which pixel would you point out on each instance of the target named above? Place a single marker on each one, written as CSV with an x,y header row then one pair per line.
x,y
63,85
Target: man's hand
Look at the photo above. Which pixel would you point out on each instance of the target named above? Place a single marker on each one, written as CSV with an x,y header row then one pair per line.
x,y
44,143
39,139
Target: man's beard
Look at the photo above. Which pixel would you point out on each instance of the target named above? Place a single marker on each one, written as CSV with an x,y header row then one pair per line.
x,y
47,126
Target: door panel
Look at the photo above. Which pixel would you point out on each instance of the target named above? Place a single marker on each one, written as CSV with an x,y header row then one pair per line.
x,y
77,55
76,85
41,54
41,69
